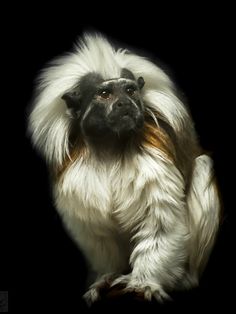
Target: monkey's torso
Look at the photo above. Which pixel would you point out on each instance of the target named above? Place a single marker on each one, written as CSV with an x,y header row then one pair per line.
x,y
108,200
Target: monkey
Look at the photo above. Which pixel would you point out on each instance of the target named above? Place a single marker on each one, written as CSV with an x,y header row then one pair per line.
x,y
130,181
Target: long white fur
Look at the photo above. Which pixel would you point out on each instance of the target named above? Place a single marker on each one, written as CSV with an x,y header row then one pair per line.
x,y
48,121
132,211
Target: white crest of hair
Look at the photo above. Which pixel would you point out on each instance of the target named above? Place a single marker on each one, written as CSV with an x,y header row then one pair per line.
x,y
49,122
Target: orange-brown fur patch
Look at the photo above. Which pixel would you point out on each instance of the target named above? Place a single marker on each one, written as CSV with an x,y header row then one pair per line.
x,y
155,137
78,150
152,136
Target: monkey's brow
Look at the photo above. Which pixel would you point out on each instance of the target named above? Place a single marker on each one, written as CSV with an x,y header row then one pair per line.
x,y
119,80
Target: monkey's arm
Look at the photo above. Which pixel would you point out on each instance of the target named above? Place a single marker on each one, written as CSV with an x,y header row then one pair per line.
x,y
161,240
157,259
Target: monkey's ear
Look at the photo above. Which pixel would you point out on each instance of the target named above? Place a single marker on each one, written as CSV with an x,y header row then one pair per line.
x,y
72,100
140,82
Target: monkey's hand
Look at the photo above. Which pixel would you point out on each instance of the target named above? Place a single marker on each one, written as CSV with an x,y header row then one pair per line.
x,y
102,284
146,289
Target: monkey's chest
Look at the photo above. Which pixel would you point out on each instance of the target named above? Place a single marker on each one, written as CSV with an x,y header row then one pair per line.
x,y
101,195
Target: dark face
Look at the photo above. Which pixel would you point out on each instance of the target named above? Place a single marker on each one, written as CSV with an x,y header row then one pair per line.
x,y
107,108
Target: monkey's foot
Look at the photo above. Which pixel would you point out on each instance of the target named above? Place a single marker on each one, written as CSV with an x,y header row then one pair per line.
x,y
145,289
95,290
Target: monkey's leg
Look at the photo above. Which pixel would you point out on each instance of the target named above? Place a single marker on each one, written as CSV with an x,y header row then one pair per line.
x,y
106,257
107,260
204,216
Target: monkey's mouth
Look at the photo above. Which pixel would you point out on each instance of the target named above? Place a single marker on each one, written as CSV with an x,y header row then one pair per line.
x,y
99,125
126,122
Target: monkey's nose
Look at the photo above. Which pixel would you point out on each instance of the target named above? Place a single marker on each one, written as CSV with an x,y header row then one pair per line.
x,y
119,104
122,105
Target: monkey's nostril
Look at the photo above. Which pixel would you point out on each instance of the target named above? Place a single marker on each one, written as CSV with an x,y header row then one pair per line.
x,y
119,104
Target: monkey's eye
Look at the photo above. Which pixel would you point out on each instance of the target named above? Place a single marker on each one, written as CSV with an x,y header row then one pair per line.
x,y
130,90
105,93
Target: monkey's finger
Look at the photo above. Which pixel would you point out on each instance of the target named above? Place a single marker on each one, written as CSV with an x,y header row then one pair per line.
x,y
122,280
161,296
147,294
91,296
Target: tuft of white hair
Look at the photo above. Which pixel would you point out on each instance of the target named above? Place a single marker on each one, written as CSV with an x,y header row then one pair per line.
x,y
49,123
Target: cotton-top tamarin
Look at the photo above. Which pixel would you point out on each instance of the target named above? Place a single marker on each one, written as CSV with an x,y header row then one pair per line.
x,y
129,178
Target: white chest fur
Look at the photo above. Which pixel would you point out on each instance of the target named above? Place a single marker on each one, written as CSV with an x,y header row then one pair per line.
x,y
104,192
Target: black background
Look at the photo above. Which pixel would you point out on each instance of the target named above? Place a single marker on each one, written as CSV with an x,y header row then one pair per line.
x,y
41,267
